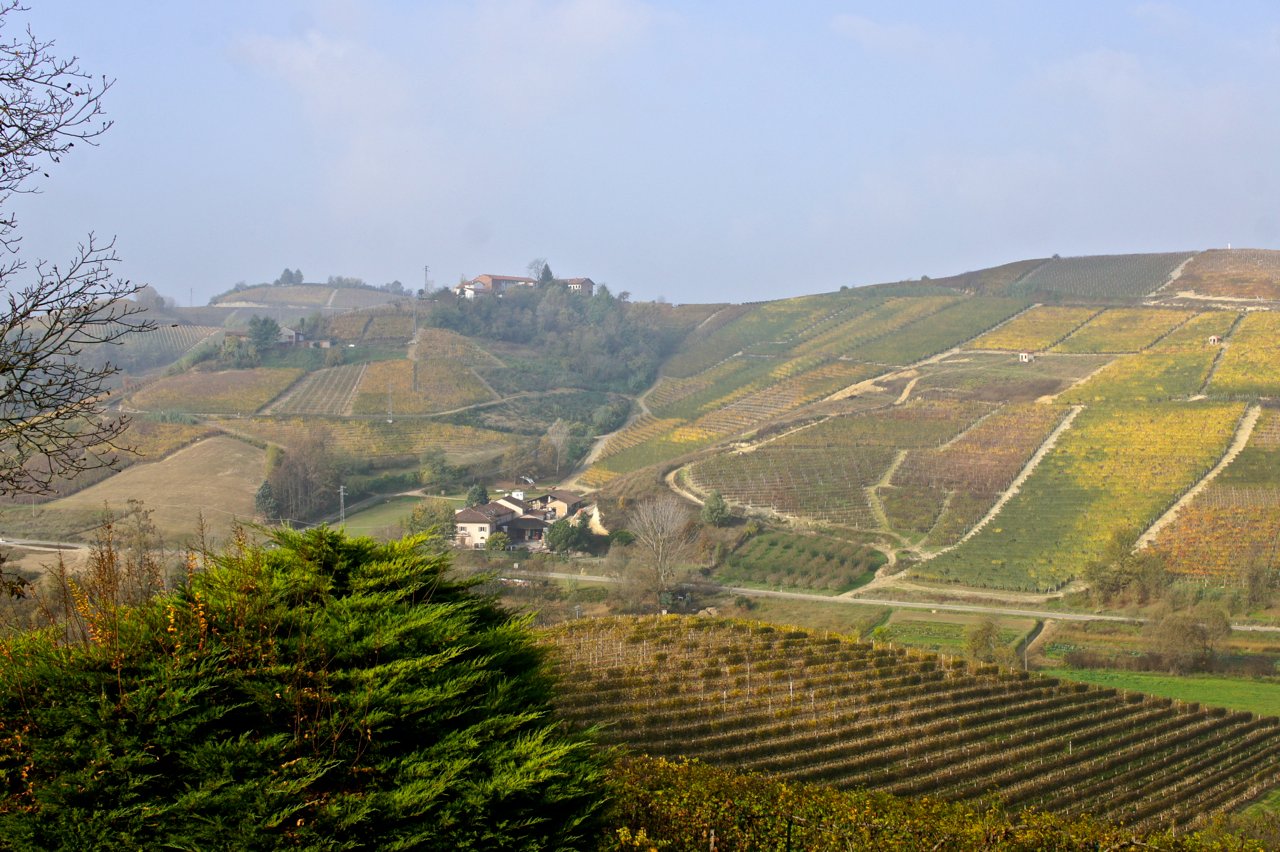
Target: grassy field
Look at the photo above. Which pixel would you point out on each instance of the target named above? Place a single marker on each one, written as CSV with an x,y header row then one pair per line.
x,y
216,477
383,519
945,632
1256,696
853,620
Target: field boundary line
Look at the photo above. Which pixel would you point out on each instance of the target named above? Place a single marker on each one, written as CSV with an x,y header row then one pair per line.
x,y
1244,430
1222,348
349,404
1016,486
1064,338
1153,344
873,492
280,397
1174,275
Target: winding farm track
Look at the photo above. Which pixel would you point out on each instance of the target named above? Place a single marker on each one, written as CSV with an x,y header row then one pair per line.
x,y
1244,429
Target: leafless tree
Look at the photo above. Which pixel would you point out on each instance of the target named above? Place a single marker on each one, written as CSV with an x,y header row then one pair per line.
x,y
665,532
51,399
558,435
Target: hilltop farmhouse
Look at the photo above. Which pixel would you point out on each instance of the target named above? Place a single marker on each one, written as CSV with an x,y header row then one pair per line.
x,y
524,521
496,285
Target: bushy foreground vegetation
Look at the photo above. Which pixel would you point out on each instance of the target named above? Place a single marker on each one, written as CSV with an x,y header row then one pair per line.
x,y
322,692
676,806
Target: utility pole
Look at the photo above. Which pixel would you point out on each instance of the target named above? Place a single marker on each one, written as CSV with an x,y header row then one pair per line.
x,y
342,504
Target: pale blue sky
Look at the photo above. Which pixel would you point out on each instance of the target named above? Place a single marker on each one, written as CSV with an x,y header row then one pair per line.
x,y
699,151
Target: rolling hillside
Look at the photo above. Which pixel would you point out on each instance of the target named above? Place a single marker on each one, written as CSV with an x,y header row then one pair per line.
x,y
973,427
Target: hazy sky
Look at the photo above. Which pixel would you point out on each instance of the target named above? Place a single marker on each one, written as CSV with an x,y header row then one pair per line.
x,y
705,151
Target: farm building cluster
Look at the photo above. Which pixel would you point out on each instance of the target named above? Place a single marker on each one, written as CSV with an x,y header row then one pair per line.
x,y
524,521
496,285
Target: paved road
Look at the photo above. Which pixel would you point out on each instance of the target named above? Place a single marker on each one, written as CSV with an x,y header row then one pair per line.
x,y
944,607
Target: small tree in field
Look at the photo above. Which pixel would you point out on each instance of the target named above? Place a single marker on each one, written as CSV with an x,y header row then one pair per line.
x,y
497,542
715,511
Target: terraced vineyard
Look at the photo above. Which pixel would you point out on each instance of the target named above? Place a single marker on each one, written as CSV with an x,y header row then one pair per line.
x,y
1036,330
417,387
1232,528
1146,377
1234,273
1123,330
1111,475
956,484
1115,277
377,440
1193,336
804,707
449,345
1250,365
822,472
330,391
951,326
225,392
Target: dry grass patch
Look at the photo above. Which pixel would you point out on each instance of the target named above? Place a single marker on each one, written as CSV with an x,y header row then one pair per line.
x,y
216,477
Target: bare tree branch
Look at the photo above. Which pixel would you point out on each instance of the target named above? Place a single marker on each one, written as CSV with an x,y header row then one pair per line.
x,y
51,399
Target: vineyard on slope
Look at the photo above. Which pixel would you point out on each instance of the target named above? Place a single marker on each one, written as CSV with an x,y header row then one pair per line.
x,y
376,440
1234,273
224,392
1123,330
964,478
805,707
1111,475
1037,329
1102,277
1146,377
1233,526
1250,365
821,472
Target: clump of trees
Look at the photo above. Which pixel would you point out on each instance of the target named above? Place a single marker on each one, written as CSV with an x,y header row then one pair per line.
x,y
601,342
302,481
321,691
